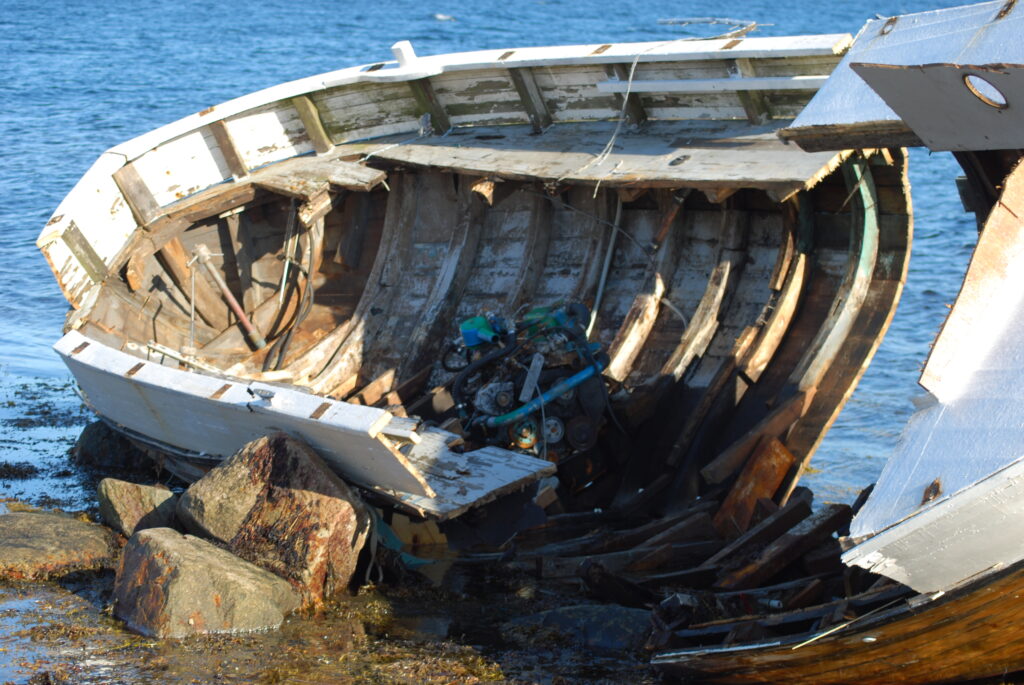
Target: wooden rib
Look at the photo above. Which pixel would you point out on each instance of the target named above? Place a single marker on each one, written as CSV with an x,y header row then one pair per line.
x,y
347,355
427,103
435,321
866,333
137,194
310,117
632,334
753,364
754,102
313,362
531,97
854,288
634,109
228,149
535,253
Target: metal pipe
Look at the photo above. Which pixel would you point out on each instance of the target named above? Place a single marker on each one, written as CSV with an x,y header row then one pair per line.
x,y
606,267
536,403
255,337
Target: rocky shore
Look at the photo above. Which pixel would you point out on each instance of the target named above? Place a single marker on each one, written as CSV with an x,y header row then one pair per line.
x,y
257,559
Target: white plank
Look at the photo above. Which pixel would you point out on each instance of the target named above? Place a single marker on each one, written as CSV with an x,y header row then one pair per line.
x,y
946,35
935,101
196,413
676,154
183,166
269,134
724,85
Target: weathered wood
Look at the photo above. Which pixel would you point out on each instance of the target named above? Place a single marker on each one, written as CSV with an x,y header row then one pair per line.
x,y
209,306
736,156
671,557
754,102
632,107
795,511
236,165
805,596
531,97
137,194
760,477
310,117
610,586
803,537
307,177
723,85
773,425
427,102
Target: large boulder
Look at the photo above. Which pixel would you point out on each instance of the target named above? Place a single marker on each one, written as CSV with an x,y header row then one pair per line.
x,y
174,585
35,546
128,507
103,449
276,504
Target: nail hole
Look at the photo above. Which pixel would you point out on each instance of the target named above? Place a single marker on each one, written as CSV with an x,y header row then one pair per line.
x,y
889,25
985,91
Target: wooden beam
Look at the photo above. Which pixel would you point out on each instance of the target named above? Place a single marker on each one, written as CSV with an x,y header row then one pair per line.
x,y
788,548
761,477
796,510
137,194
310,116
209,306
634,109
754,102
427,102
531,97
718,85
237,165
774,424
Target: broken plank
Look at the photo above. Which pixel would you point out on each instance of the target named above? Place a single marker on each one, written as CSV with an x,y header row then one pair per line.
x,y
787,548
672,557
760,477
641,535
774,424
798,509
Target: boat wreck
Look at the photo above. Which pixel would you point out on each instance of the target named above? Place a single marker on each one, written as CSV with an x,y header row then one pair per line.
x,y
942,519
584,298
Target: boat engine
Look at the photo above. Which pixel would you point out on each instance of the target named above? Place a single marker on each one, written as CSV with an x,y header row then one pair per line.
x,y
532,385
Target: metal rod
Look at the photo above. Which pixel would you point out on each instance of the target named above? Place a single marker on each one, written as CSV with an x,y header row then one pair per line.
x,y
255,337
607,265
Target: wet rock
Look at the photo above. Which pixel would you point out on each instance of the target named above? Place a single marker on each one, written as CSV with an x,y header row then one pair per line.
x,y
275,503
101,447
128,507
35,546
174,585
595,626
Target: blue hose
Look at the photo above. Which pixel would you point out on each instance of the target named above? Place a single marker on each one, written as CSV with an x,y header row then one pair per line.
x,y
536,403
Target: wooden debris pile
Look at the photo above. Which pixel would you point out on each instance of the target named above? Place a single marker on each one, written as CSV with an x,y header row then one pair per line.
x,y
738,564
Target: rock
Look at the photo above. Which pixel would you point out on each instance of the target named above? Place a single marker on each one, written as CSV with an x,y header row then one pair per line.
x,y
275,503
128,507
101,447
595,626
35,546
174,585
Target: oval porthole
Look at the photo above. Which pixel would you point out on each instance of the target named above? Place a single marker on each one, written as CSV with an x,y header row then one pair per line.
x,y
985,91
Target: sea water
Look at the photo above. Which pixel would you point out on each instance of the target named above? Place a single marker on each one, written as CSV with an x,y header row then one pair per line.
x,y
78,77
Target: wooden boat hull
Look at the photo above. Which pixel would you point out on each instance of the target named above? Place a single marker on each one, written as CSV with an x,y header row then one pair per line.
x,y
968,633
738,286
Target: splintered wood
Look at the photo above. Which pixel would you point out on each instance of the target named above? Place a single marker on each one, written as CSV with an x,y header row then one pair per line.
x,y
760,478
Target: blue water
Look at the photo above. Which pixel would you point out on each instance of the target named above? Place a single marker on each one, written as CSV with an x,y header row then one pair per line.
x,y
77,79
